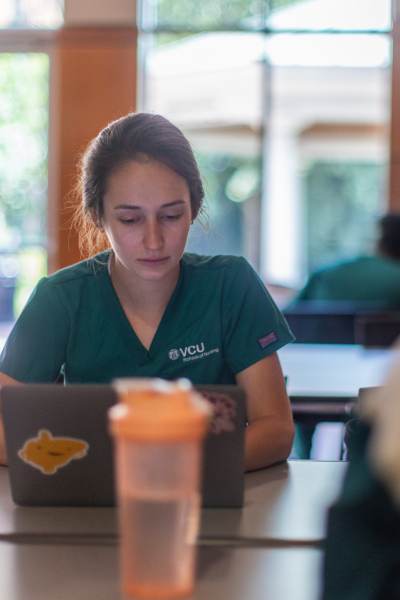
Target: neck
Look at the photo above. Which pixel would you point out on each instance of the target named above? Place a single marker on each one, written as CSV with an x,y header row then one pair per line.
x,y
145,295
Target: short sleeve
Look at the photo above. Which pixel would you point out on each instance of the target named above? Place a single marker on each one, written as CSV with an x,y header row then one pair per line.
x,y
35,349
253,326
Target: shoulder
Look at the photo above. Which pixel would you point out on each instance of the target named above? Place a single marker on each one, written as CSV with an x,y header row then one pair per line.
x,y
74,274
219,264
387,263
230,278
66,286
343,266
231,275
361,267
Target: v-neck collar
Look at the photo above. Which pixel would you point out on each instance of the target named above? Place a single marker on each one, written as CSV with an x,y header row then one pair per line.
x,y
160,336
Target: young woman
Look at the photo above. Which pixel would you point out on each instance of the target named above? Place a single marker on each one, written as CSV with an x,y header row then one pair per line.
x,y
143,307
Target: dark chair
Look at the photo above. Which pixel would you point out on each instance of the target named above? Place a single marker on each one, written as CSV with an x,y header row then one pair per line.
x,y
311,411
315,322
353,424
379,330
334,322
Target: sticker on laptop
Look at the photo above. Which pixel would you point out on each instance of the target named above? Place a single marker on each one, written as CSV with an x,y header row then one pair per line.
x,y
49,453
224,412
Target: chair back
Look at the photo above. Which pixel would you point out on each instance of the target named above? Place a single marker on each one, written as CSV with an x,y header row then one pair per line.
x,y
377,330
315,322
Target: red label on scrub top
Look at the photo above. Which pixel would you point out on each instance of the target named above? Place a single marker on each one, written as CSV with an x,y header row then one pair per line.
x,y
268,339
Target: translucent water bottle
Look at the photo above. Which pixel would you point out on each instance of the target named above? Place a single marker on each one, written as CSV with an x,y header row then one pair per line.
x,y
158,428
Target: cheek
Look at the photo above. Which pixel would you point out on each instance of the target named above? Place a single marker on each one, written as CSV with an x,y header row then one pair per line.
x,y
180,235
121,236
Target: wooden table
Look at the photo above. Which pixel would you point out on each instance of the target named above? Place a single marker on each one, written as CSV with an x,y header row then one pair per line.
x,y
286,502
324,379
332,370
266,551
91,572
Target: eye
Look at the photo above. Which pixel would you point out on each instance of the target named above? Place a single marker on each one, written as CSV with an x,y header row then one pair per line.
x,y
130,221
38,447
171,217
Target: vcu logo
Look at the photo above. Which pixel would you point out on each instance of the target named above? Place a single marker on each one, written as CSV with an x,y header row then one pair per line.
x,y
173,354
187,351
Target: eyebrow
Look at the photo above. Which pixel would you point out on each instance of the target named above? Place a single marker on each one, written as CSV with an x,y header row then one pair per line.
x,y
134,207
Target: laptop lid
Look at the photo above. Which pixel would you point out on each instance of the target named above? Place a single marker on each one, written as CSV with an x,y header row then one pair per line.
x,y
223,461
60,452
58,447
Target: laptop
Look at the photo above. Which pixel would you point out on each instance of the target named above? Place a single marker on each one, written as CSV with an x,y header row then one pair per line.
x,y
60,452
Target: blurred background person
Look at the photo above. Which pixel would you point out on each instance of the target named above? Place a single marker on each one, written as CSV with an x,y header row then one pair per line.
x,y
365,281
363,542
374,278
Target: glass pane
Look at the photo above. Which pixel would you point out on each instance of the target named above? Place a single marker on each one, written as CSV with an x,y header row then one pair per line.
x,y
333,229
357,15
31,13
326,159
23,178
329,50
208,13
215,97
314,15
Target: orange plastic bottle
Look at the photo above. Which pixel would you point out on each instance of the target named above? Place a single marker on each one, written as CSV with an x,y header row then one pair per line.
x,y
158,428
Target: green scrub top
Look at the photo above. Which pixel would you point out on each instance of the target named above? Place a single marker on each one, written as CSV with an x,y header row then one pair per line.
x,y
219,321
365,278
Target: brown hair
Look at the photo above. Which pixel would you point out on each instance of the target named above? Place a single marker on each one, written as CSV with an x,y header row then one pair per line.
x,y
126,139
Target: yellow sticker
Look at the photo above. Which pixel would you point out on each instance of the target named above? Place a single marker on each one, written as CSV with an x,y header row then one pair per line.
x,y
48,453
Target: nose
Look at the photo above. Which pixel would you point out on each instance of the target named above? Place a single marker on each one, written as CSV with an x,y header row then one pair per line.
x,y
153,238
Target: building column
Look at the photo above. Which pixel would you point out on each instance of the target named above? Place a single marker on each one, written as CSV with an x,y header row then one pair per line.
x,y
92,81
281,215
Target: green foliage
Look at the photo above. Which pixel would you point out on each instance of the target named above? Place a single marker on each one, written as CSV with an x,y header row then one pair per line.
x,y
281,3
342,201
206,13
214,13
221,227
23,144
32,266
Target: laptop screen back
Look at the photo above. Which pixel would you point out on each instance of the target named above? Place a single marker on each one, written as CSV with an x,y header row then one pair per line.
x,y
60,451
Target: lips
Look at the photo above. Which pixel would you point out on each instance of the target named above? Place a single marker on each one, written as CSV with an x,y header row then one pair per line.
x,y
153,261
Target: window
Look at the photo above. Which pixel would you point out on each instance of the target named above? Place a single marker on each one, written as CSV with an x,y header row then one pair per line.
x,y
24,99
23,177
31,13
287,106
186,83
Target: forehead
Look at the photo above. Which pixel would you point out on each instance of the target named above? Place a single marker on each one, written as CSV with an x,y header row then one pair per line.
x,y
145,181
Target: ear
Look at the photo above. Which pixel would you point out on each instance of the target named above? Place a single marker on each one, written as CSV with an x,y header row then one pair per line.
x,y
45,435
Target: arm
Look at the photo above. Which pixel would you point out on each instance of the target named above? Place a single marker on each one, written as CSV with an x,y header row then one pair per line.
x,y
4,380
269,435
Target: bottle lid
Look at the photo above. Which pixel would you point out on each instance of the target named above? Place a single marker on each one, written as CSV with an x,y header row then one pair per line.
x,y
155,409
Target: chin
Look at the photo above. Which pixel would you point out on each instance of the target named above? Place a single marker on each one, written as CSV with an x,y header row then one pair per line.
x,y
152,276
155,274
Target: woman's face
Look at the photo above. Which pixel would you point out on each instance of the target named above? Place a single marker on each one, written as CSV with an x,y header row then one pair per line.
x,y
147,215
